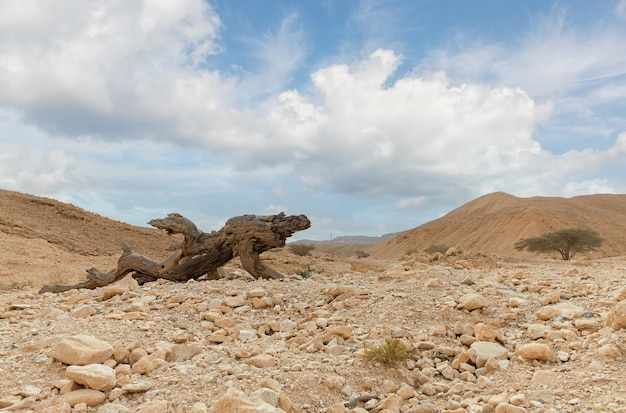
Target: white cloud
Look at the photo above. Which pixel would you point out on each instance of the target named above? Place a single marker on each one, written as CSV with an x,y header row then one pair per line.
x,y
274,209
587,187
411,202
116,67
552,60
367,137
620,9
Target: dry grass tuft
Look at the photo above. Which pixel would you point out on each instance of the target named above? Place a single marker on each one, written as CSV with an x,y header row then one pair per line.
x,y
392,351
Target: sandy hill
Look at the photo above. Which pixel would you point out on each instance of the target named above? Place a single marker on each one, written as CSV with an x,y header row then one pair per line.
x,y
493,223
43,240
74,229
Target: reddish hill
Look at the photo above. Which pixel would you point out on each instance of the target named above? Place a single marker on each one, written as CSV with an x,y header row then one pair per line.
x,y
493,223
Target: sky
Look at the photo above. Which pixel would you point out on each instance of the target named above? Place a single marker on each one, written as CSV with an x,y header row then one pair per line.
x,y
369,117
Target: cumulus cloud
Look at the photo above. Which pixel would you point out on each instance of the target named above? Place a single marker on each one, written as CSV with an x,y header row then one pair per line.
x,y
111,69
365,136
129,97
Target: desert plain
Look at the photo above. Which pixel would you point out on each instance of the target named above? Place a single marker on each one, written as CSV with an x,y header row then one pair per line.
x,y
489,330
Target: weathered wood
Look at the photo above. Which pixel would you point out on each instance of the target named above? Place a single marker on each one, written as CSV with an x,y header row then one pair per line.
x,y
201,254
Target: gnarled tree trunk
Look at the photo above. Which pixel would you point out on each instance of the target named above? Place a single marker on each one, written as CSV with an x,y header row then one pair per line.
x,y
201,253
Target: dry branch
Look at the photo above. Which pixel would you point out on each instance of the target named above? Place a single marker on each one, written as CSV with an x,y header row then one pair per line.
x,y
201,254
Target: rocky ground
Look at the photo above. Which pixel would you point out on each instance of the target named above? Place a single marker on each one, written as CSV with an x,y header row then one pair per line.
x,y
487,334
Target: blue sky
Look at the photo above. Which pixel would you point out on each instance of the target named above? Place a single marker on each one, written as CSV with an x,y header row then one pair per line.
x,y
367,116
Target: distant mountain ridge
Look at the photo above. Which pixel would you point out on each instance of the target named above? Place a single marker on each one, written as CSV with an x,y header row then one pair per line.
x,y
493,223
350,239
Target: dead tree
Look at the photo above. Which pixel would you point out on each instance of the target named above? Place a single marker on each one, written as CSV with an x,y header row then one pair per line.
x,y
201,254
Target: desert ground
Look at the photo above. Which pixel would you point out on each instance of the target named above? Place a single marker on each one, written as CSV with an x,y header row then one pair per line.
x,y
486,332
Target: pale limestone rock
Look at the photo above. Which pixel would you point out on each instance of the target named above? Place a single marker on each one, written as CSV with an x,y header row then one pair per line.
x,y
424,407
83,311
340,331
518,399
137,386
509,408
497,399
336,408
587,324
115,394
271,384
391,403
113,408
483,332
58,408
81,350
473,301
536,351
154,406
112,290
198,408
285,403
94,376
481,351
269,396
620,294
262,360
550,299
30,391
515,302
17,404
537,330
237,301
550,312
616,319
406,392
150,363
183,352
90,397
235,401
609,351
136,354
287,325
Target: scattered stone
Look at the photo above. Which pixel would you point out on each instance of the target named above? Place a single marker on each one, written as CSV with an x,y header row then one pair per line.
x,y
484,333
616,319
234,400
473,301
481,351
81,350
536,351
94,376
550,312
137,386
90,397
154,406
148,364
183,352
262,360
509,408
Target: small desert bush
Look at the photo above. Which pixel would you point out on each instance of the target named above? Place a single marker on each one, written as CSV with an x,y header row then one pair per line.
x,y
391,351
361,254
305,271
437,248
301,249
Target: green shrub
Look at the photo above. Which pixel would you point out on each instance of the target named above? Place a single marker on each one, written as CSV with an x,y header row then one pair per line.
x,y
393,350
566,242
301,249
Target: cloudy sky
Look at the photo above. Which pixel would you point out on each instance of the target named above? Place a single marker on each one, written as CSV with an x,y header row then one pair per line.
x,y
367,116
